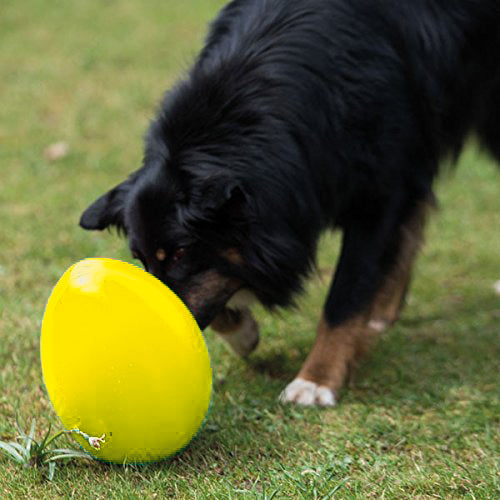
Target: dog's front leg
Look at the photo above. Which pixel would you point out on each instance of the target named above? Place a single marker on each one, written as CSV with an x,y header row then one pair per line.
x,y
328,364
372,274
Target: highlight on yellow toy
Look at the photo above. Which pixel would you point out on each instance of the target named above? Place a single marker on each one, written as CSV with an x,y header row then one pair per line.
x,y
124,362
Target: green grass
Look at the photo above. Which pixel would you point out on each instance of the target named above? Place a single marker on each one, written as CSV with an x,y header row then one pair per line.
x,y
421,417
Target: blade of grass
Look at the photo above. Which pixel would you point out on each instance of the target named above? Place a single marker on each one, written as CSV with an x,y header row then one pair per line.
x,y
337,488
44,442
22,434
17,446
29,439
52,470
76,454
12,452
67,450
273,494
31,434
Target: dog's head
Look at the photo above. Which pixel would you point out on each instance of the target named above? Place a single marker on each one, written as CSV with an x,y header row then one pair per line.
x,y
188,229
211,210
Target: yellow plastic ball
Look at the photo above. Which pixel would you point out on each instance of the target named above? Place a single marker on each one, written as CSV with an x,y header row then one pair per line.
x,y
123,357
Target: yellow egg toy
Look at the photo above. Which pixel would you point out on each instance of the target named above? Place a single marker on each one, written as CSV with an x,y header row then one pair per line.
x,y
124,362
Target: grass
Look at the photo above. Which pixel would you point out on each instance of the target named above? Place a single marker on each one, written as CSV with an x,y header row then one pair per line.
x,y
26,450
421,417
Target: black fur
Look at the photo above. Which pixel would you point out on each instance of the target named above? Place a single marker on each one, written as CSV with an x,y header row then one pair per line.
x,y
302,115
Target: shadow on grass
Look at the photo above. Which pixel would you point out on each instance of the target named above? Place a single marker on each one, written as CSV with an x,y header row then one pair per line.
x,y
423,361
276,365
419,361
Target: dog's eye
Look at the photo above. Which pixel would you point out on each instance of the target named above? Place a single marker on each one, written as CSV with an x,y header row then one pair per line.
x,y
179,254
161,255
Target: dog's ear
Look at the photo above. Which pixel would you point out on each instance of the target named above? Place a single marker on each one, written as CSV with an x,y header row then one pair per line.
x,y
235,200
108,209
213,200
222,195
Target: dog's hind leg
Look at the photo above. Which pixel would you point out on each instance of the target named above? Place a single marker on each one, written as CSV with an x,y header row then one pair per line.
x,y
389,300
239,329
369,286
489,124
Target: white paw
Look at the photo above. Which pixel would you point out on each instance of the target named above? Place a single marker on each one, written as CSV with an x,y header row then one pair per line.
x,y
307,393
245,339
378,325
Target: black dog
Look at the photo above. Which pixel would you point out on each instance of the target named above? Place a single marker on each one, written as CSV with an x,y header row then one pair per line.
x,y
302,115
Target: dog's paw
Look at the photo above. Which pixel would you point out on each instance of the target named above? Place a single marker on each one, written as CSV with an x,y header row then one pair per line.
x,y
245,339
307,393
378,325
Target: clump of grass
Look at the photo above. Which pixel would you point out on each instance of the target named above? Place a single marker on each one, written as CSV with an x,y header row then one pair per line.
x,y
29,452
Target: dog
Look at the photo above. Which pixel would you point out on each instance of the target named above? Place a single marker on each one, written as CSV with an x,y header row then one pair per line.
x,y
300,116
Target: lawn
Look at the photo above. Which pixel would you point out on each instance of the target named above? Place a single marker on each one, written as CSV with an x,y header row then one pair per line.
x,y
421,417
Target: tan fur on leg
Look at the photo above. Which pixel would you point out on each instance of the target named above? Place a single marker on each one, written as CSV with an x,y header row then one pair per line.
x,y
328,364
